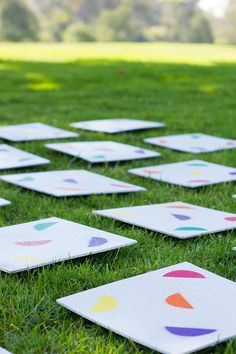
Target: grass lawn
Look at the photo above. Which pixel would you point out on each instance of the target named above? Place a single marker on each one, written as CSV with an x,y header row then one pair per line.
x,y
191,88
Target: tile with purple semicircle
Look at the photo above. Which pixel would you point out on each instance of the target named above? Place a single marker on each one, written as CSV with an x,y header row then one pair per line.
x,y
34,244
103,151
176,310
177,219
70,183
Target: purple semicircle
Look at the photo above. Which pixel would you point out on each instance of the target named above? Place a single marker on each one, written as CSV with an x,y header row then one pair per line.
x,y
189,332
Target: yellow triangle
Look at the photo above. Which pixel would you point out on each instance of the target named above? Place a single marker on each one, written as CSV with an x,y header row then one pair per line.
x,y
104,303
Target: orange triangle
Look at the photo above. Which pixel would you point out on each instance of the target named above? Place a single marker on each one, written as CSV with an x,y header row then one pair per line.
x,y
177,300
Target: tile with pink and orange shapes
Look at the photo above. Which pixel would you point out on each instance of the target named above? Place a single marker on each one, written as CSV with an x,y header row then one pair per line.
x,y
193,143
175,310
177,219
34,244
192,174
70,183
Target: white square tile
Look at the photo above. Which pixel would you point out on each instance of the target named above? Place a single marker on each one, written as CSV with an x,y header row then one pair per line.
x,y
103,151
177,219
191,174
33,244
193,143
70,183
116,125
11,157
33,131
175,310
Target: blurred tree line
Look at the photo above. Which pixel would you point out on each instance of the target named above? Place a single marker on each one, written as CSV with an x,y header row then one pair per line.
x,y
114,20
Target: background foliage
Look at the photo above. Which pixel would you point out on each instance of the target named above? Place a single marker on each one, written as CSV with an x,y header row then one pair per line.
x,y
114,20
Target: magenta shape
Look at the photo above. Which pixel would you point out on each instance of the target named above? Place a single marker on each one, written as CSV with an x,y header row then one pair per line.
x,y
183,274
231,218
181,217
189,332
70,180
97,241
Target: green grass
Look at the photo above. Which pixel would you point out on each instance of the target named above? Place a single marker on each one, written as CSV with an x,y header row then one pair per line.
x,y
189,87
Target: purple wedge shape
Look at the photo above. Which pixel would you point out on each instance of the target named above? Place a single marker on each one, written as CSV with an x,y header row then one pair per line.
x,y
97,241
181,217
233,173
140,151
70,180
189,332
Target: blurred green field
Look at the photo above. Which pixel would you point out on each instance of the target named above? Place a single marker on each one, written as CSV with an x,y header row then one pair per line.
x,y
191,88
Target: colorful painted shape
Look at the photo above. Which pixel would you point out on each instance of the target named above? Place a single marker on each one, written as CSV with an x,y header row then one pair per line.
x,y
26,179
197,164
196,173
181,217
179,207
189,332
152,172
190,228
177,300
33,243
100,156
70,180
199,181
140,151
97,241
104,304
184,274
120,186
44,226
231,218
